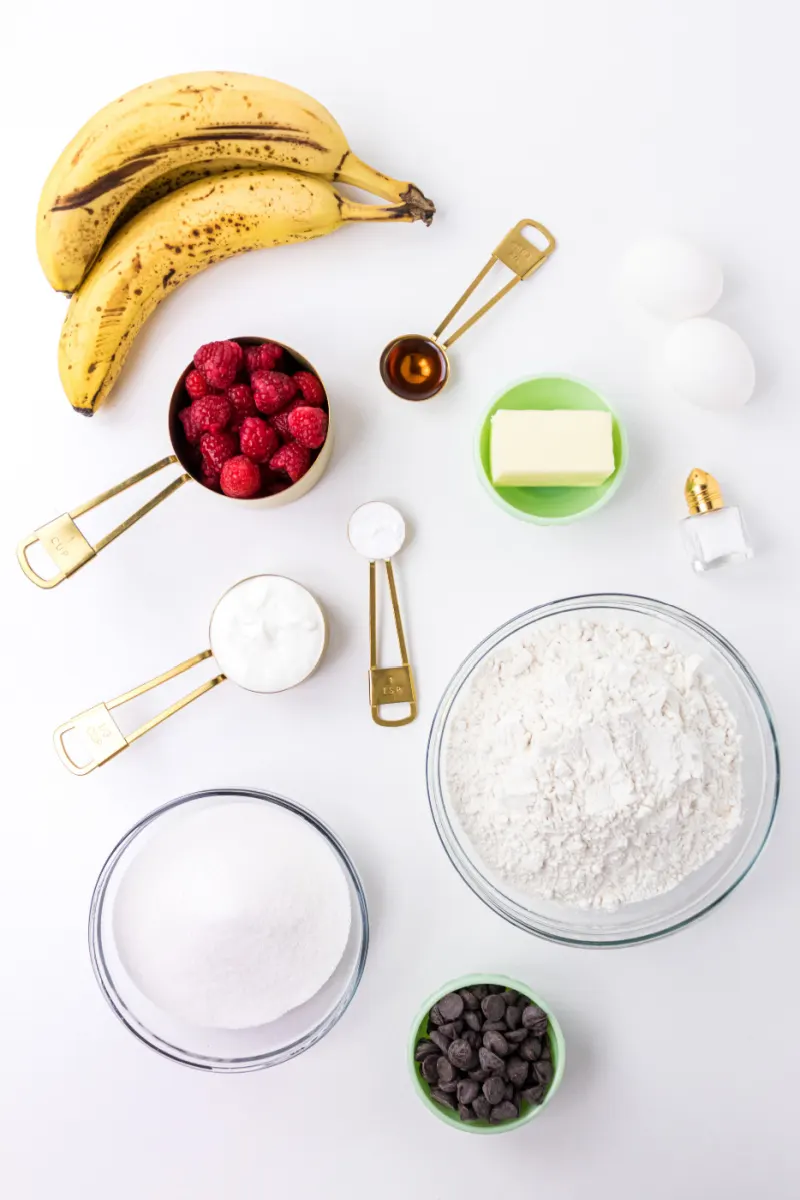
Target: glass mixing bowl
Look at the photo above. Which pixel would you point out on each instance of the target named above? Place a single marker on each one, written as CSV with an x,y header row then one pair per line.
x,y
703,889
226,1050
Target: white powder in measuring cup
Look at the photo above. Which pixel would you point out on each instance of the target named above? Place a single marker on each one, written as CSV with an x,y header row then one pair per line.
x,y
233,915
267,633
592,763
376,530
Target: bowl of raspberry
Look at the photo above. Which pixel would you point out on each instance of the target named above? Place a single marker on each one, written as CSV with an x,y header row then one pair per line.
x,y
249,419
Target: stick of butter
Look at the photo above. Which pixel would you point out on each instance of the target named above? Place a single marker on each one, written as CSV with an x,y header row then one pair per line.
x,y
556,448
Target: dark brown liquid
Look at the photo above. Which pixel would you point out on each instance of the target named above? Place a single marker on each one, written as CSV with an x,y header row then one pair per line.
x,y
414,367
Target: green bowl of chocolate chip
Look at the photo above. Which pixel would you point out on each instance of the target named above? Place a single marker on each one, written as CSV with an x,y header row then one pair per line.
x,y
486,1054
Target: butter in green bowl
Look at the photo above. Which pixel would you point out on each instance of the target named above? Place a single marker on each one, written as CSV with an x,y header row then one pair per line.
x,y
550,505
422,1028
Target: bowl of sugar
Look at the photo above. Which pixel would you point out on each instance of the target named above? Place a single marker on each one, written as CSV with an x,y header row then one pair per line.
x,y
228,930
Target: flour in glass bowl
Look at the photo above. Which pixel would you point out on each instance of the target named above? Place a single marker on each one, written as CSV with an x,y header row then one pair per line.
x,y
593,764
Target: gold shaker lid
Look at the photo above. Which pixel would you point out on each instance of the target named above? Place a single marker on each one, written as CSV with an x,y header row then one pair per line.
x,y
703,493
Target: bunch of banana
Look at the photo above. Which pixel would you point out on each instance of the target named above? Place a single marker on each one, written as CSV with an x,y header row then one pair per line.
x,y
175,238
176,130
180,173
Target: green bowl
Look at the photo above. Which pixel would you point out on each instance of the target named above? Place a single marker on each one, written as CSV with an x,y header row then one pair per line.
x,y
420,1029
558,505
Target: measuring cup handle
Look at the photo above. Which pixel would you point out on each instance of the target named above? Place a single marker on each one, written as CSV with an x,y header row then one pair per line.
x,y
102,733
63,541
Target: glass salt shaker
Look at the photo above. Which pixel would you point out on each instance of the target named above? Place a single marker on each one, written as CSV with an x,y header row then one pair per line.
x,y
714,533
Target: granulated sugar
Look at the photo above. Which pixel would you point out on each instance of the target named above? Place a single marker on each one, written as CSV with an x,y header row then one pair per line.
x,y
232,915
593,764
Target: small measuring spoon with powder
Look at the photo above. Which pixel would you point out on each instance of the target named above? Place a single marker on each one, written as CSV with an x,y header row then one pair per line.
x,y
377,531
267,633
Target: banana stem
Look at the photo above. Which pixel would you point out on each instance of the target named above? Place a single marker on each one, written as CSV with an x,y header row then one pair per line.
x,y
358,174
351,210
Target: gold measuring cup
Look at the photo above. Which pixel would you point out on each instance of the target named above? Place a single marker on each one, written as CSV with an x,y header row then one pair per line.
x,y
98,728
415,366
387,685
69,550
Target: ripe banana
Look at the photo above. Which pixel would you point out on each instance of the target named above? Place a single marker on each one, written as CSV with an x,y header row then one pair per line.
x,y
218,119
175,238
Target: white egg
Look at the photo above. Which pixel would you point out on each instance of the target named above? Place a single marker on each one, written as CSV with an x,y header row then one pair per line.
x,y
709,364
671,278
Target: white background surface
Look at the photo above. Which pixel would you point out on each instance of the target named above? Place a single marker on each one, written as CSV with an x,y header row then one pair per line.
x,y
603,121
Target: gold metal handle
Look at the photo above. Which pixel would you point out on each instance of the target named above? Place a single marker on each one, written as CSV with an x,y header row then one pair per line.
x,y
102,733
388,685
514,252
66,545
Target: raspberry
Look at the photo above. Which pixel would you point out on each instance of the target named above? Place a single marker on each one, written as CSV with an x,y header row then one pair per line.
x,y
216,449
218,362
240,477
195,385
293,460
310,386
273,390
262,358
259,440
281,420
242,403
211,413
209,479
190,430
308,426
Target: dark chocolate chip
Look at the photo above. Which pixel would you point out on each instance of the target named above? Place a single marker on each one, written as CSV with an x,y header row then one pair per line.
x,y
546,1053
494,1008
435,1017
442,1098
482,1108
452,1029
535,1019
424,1048
428,1069
471,1001
472,1038
543,1071
496,988
472,1020
451,1006
445,1069
468,1089
517,1070
479,1075
489,1060
509,995
450,1087
499,1026
496,1043
533,1095
480,991
462,1055
506,1111
513,1016
510,1090
515,1036
531,1049
494,1089
466,1114
440,1040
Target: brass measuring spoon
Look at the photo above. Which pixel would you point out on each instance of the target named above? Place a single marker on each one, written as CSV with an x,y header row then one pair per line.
x,y
377,531
416,367
98,728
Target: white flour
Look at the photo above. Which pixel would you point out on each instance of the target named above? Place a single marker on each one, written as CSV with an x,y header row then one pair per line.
x,y
593,764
